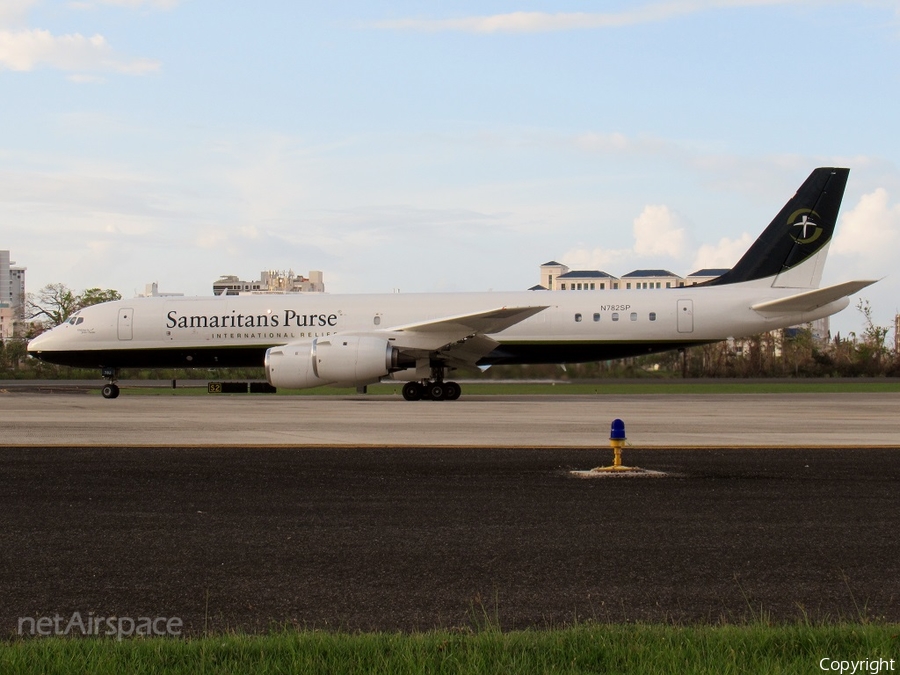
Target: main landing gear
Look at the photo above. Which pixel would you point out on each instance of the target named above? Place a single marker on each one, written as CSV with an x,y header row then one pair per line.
x,y
431,391
110,389
434,389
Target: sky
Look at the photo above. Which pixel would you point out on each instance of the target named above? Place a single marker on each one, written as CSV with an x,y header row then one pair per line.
x,y
439,146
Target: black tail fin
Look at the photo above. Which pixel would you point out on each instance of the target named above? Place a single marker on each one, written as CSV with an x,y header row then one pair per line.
x,y
800,231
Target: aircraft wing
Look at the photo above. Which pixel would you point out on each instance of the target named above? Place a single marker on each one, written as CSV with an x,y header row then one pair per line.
x,y
491,321
810,300
458,340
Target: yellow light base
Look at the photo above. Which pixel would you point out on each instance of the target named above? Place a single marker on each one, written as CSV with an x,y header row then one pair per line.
x,y
617,468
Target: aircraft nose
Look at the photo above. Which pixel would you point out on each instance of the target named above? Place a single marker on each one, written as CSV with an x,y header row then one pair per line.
x,y
34,345
42,341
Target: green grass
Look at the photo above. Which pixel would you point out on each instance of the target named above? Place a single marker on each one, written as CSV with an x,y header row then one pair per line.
x,y
592,648
576,388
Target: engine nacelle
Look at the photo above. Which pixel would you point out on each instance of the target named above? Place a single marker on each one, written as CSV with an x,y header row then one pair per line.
x,y
339,359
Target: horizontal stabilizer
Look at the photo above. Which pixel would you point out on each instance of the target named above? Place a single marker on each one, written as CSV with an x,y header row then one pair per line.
x,y
810,300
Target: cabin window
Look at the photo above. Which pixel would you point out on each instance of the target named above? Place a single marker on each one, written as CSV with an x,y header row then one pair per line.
x,y
634,316
578,318
615,316
596,316
377,320
653,316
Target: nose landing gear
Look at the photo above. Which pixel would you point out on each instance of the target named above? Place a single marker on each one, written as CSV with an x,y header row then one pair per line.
x,y
110,389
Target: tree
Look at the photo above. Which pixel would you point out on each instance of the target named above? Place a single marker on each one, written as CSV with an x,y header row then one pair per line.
x,y
94,296
55,303
873,349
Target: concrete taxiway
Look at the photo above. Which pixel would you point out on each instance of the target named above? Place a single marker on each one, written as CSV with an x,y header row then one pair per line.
x,y
733,420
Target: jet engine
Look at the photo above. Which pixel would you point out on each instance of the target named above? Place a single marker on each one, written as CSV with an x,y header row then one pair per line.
x,y
338,359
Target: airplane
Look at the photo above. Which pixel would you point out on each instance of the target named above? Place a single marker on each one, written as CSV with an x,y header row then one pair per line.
x,y
310,340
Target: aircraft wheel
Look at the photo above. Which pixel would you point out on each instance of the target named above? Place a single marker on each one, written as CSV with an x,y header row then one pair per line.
x,y
412,391
110,391
436,391
452,391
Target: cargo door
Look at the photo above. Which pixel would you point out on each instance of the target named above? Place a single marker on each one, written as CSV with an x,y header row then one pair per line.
x,y
685,316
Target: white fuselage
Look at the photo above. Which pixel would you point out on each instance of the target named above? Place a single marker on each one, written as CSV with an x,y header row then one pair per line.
x,y
586,325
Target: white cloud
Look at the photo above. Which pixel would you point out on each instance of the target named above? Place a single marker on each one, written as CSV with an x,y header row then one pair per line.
x,y
24,50
540,22
13,12
605,259
723,254
618,143
81,78
871,230
130,4
656,233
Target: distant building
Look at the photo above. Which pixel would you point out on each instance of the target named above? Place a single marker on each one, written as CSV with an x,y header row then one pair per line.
x,y
586,280
640,279
819,331
558,277
8,323
550,271
704,275
271,281
152,291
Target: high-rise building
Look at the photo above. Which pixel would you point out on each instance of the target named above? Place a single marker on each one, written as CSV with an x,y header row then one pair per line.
x,y
897,333
12,296
12,283
5,292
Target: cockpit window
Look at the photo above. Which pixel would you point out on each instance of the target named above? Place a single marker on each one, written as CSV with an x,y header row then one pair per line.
x,y
75,320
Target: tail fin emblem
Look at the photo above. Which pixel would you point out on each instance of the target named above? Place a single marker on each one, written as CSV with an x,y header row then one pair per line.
x,y
809,231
